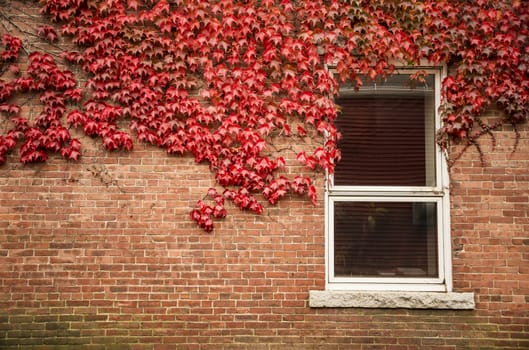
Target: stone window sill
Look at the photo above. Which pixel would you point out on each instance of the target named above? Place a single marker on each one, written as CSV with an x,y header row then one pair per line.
x,y
393,300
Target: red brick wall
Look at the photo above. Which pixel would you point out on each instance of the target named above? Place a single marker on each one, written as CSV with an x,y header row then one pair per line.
x,y
101,254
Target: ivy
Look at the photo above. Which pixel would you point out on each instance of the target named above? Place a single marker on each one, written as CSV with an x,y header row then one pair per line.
x,y
220,80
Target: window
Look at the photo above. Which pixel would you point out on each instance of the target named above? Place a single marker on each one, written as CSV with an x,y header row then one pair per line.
x,y
387,202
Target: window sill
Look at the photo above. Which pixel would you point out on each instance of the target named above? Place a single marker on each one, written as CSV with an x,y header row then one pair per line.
x,y
393,300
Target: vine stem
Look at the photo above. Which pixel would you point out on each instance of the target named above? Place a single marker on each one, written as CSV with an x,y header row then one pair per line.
x,y
473,140
26,33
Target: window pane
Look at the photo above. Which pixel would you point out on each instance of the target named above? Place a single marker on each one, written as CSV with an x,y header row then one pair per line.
x,y
387,134
385,239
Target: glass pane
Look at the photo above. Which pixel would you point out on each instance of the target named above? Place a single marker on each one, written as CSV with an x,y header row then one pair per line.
x,y
385,239
388,134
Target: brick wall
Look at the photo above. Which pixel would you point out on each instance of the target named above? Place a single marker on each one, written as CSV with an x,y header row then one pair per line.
x,y
101,254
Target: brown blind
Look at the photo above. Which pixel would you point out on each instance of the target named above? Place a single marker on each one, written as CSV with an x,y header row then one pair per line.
x,y
383,140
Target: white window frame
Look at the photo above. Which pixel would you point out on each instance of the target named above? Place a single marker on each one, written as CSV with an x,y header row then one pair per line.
x,y
438,194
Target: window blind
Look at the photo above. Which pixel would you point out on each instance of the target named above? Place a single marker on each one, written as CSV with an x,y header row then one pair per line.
x,y
383,141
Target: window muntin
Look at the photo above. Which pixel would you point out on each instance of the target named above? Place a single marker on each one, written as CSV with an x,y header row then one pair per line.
x,y
388,223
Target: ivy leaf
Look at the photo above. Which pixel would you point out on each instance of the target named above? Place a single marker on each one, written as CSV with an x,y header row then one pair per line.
x,y
48,33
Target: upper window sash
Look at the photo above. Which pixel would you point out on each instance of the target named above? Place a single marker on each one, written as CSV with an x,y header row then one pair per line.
x,y
436,169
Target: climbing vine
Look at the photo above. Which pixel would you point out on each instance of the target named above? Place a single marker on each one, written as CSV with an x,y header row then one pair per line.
x,y
220,79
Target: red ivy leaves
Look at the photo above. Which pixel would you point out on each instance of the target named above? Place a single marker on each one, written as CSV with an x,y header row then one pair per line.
x,y
204,214
489,44
12,46
48,33
219,79
46,133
